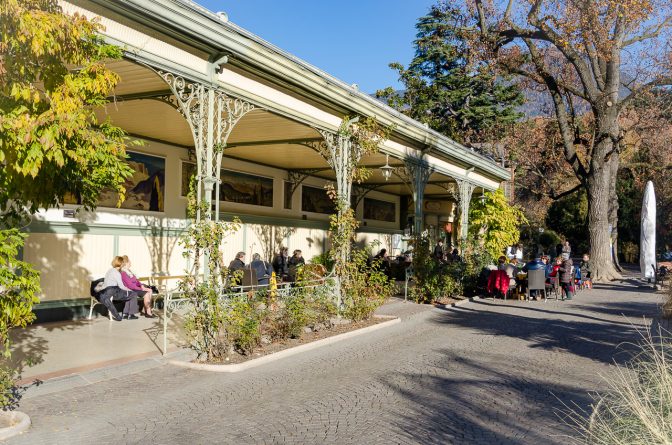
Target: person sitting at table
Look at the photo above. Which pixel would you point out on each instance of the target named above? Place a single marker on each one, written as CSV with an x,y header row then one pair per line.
x,y
510,269
280,265
438,251
130,281
535,264
238,262
294,263
455,256
262,268
113,287
383,261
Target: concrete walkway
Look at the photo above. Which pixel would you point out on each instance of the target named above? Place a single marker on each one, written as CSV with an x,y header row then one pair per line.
x,y
485,373
65,348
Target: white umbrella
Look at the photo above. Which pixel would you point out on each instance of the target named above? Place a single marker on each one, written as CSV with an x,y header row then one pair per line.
x,y
647,244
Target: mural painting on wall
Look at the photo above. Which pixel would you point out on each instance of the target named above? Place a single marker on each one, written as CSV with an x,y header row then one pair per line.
x,y
379,210
145,188
242,188
314,199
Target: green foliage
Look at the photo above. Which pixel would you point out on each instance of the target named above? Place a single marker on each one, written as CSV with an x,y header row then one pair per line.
x,y
325,259
363,286
495,222
244,316
475,257
19,287
443,90
52,78
569,216
205,323
548,240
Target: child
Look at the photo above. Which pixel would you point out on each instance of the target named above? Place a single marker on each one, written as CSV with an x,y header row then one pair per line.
x,y
586,270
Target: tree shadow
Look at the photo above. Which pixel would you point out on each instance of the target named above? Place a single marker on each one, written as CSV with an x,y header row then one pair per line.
x,y
30,346
272,238
595,340
490,400
161,238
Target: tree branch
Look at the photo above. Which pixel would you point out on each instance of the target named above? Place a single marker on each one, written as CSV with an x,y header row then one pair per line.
x,y
561,113
649,33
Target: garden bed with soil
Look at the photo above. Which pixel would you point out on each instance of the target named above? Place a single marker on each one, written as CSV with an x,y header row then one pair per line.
x,y
285,348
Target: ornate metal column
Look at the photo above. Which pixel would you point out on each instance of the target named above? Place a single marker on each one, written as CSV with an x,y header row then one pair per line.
x,y
465,189
211,116
416,173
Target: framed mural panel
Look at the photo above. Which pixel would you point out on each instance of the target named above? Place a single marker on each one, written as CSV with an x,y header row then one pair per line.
x,y
145,188
314,199
243,188
377,210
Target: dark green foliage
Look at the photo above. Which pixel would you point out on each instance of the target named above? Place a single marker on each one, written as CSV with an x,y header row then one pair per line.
x,y
568,216
441,87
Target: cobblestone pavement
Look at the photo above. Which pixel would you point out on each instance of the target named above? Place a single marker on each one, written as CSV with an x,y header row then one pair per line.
x,y
484,373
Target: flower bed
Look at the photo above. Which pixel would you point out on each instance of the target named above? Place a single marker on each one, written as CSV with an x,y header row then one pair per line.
x,y
286,348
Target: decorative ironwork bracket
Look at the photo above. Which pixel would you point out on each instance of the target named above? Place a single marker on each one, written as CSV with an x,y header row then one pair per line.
x,y
466,189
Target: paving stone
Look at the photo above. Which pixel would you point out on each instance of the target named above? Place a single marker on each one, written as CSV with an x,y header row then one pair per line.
x,y
488,372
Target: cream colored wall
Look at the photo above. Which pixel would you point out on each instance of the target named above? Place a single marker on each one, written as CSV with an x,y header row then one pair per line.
x,y
67,263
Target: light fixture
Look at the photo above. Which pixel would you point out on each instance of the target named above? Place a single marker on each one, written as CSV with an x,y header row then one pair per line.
x,y
482,196
387,169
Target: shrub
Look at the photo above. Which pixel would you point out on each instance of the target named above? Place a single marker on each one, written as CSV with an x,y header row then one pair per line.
x,y
364,286
434,280
548,240
19,287
244,318
324,259
637,407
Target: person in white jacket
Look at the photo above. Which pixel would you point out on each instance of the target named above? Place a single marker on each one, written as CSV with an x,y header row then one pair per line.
x,y
114,285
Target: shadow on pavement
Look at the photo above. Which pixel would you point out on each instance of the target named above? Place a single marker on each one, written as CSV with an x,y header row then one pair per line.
x,y
490,402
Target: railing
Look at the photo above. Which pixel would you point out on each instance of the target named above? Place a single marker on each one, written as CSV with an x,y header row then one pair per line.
x,y
174,300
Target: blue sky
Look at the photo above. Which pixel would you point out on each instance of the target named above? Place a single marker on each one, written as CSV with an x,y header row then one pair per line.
x,y
352,40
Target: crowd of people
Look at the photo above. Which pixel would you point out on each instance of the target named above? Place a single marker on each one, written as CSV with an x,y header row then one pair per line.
x,y
561,267
284,266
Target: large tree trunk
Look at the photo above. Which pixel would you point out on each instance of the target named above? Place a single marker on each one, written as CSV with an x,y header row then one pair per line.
x,y
613,209
599,186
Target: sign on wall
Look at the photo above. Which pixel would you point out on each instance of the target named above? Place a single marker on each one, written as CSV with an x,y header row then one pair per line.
x,y
145,188
243,188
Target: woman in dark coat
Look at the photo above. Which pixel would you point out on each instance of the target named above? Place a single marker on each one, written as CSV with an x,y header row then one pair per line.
x,y
566,276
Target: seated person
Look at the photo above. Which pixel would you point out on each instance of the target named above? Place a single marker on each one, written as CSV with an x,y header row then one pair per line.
x,y
262,268
113,287
238,262
130,281
383,262
510,269
280,265
294,263
534,264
